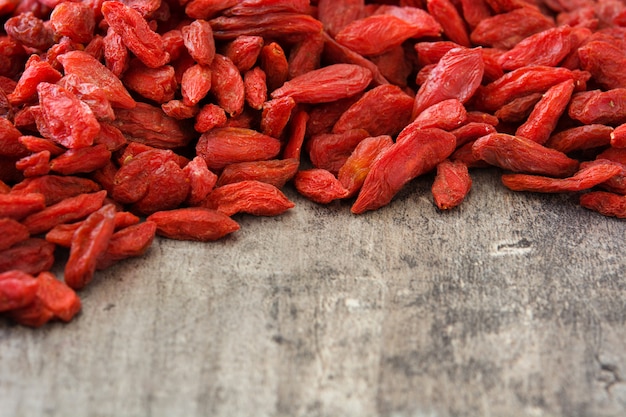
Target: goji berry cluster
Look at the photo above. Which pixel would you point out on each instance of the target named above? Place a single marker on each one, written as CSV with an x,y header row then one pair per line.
x,y
122,120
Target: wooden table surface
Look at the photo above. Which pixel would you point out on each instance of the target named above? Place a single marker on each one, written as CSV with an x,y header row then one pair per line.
x,y
513,304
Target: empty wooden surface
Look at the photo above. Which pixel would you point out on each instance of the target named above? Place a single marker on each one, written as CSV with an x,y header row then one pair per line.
x,y
510,305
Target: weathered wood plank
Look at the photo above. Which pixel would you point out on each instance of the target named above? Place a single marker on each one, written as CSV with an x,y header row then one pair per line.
x,y
513,304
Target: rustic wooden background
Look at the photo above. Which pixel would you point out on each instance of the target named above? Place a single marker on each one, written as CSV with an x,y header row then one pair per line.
x,y
511,305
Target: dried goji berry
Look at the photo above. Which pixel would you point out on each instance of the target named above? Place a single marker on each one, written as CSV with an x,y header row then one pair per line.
x,y
416,152
605,62
12,232
378,33
89,242
74,20
55,188
68,210
587,177
326,84
523,155
306,55
275,116
223,146
618,136
446,114
330,151
53,300
352,173
254,7
446,14
17,206
596,106
336,14
178,110
518,109
29,30
319,185
383,110
276,172
136,33
548,47
268,25
155,84
521,82
64,118
195,84
35,164
131,241
244,51
442,84
201,180
17,289
116,55
198,39
606,203
148,124
203,9
227,85
274,63
335,52
297,132
505,30
36,71
395,65
10,140
31,256
255,86
90,70
471,131
547,112
580,137
451,185
248,196
193,223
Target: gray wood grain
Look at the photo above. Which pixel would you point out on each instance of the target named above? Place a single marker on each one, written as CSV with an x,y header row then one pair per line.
x,y
511,305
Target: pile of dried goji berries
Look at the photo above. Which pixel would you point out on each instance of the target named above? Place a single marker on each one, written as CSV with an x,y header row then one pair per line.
x,y
125,120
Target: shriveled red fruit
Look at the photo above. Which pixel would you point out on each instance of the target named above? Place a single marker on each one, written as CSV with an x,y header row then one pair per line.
x,y
68,210
326,84
131,241
53,300
416,152
331,150
223,146
383,110
198,39
201,180
523,155
91,70
451,185
20,205
606,203
17,289
56,188
443,84
352,173
64,118
589,176
319,185
193,223
136,33
32,256
276,172
248,196
378,33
